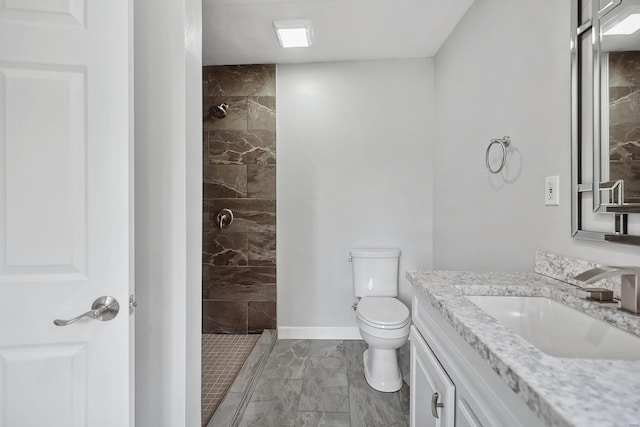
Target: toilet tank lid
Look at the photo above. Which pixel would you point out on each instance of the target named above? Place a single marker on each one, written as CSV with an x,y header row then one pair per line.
x,y
374,253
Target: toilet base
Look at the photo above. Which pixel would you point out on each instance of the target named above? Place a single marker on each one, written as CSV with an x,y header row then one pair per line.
x,y
381,369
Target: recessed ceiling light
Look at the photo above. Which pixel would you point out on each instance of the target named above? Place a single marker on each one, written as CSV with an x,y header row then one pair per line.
x,y
628,25
293,33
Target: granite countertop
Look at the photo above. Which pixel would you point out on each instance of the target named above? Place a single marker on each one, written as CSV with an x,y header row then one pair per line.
x,y
560,391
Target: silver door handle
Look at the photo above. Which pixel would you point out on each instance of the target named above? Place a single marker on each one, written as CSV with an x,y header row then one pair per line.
x,y
104,308
435,405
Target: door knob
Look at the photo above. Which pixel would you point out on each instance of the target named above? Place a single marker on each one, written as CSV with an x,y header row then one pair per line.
x,y
104,308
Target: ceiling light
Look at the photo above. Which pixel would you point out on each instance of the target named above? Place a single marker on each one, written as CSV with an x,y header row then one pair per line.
x,y
628,25
293,33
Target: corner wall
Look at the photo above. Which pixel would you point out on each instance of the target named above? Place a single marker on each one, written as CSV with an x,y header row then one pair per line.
x,y
505,70
354,170
168,214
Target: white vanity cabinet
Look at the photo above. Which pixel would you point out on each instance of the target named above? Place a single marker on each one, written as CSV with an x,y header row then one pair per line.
x,y
431,389
472,394
465,416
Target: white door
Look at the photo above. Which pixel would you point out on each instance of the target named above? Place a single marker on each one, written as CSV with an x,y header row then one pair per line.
x,y
65,211
432,391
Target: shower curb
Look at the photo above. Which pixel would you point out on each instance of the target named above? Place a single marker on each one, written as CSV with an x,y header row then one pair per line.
x,y
235,401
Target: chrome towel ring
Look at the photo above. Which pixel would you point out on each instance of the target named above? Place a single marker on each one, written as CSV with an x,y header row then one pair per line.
x,y
504,144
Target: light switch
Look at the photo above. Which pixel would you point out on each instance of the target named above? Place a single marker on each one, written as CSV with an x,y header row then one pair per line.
x,y
552,190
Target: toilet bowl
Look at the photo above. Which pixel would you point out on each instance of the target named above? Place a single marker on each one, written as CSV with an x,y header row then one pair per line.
x,y
384,324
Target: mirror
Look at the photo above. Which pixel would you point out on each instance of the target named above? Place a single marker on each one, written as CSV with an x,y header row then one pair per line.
x,y
605,54
617,61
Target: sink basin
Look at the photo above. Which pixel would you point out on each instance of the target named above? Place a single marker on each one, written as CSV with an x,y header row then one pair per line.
x,y
559,330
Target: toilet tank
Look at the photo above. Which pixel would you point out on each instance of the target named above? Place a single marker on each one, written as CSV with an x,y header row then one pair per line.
x,y
375,272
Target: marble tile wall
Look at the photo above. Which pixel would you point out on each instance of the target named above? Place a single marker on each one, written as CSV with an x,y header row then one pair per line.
x,y
624,121
239,173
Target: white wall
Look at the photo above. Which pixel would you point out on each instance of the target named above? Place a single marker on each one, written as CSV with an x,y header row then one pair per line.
x,y
193,210
505,71
354,149
168,177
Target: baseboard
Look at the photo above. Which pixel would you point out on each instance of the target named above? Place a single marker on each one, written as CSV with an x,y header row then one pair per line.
x,y
319,333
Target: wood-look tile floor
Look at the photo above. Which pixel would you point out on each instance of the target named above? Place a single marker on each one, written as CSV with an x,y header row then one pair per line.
x,y
222,357
321,383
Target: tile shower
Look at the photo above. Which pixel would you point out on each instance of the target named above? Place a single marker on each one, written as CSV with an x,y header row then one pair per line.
x,y
239,173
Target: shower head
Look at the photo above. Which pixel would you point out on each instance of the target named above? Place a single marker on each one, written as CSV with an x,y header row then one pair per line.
x,y
219,111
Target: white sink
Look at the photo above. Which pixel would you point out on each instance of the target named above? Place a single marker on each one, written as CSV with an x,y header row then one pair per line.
x,y
559,330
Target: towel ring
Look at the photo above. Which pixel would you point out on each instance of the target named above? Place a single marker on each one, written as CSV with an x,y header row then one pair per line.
x,y
504,143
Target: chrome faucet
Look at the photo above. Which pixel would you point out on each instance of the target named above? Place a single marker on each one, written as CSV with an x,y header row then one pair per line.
x,y
629,284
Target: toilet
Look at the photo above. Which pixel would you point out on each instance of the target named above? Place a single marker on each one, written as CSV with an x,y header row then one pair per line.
x,y
384,322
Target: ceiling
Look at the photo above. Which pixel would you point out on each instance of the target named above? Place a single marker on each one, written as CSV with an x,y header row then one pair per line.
x,y
620,43
241,31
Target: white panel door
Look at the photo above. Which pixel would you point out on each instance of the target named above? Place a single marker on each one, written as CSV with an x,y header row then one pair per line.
x,y
65,211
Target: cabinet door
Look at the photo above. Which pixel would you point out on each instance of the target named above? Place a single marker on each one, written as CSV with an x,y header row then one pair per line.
x,y
430,387
465,416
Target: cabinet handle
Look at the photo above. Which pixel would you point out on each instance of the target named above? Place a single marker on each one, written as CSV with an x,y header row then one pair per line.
x,y
435,405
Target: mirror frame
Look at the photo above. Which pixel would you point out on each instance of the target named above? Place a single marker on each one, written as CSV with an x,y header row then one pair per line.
x,y
619,215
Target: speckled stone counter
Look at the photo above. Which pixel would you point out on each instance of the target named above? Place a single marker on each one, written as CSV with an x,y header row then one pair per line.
x,y
560,391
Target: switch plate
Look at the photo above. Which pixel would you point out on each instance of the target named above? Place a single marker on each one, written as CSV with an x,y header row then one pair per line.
x,y
552,190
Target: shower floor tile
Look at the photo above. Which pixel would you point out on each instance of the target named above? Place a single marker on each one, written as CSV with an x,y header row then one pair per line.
x,y
222,358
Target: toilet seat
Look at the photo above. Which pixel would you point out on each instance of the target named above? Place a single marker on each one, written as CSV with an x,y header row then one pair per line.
x,y
383,313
